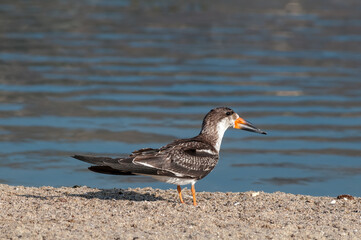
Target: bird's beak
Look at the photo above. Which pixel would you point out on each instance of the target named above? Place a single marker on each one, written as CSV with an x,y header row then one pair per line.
x,y
240,123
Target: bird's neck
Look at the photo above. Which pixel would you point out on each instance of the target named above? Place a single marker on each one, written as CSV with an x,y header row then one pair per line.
x,y
213,134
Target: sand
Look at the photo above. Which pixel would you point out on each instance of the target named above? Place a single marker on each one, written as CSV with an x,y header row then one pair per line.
x,y
88,213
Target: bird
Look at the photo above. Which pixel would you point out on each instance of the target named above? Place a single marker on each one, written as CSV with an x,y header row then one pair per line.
x,y
181,162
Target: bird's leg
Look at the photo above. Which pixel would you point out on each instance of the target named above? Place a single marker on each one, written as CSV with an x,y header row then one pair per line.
x,y
180,193
194,195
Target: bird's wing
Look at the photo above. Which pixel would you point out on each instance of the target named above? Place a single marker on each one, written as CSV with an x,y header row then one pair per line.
x,y
95,160
115,166
185,158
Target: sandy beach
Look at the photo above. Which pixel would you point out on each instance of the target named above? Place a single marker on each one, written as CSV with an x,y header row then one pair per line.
x,y
84,213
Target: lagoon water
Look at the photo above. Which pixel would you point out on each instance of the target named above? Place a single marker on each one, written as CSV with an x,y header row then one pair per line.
x,y
109,77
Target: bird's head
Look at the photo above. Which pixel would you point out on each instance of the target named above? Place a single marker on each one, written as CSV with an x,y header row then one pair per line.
x,y
225,118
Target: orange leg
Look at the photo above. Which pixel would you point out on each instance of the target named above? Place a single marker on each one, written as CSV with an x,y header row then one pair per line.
x,y
180,193
194,195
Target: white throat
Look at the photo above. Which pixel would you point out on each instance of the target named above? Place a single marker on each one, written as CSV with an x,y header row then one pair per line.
x,y
221,129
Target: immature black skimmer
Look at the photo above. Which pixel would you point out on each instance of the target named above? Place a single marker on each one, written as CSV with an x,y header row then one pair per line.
x,y
183,161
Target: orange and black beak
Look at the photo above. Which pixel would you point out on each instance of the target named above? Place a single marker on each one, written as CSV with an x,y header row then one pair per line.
x,y
240,123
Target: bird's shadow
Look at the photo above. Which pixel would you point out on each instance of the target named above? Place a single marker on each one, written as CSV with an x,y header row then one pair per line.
x,y
119,194
104,194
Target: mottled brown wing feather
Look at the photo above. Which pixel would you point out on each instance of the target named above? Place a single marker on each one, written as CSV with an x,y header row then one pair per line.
x,y
186,158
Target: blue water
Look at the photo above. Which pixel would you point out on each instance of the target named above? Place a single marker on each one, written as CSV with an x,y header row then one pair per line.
x,y
110,77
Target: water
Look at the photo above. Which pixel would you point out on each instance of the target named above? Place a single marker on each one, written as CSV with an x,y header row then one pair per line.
x,y
109,77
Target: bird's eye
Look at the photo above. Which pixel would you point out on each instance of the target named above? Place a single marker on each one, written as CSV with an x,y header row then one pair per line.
x,y
228,113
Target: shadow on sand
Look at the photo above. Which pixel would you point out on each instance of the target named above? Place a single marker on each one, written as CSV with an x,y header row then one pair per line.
x,y
105,194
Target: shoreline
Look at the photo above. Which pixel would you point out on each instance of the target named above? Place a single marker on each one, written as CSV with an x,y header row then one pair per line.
x,y
146,213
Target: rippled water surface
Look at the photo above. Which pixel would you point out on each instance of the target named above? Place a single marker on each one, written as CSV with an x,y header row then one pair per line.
x,y
109,77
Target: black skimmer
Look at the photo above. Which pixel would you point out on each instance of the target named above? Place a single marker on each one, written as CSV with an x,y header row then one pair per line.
x,y
181,162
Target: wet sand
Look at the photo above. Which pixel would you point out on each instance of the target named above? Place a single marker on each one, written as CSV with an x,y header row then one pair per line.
x,y
84,213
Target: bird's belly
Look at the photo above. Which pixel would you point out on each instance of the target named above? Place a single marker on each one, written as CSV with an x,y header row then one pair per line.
x,y
174,180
